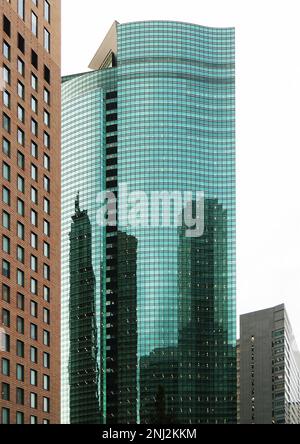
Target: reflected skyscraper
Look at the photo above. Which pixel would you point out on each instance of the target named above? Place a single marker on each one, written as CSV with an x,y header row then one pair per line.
x,y
83,365
157,113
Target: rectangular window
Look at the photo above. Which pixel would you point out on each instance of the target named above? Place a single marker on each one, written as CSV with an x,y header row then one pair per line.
x,y
21,9
5,391
5,367
5,416
34,24
20,396
20,372
6,293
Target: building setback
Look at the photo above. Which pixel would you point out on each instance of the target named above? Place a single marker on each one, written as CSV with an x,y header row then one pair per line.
x,y
269,369
30,211
157,113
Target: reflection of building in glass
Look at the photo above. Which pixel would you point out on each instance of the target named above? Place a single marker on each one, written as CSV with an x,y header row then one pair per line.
x,y
121,329
269,369
83,367
159,369
207,370
157,113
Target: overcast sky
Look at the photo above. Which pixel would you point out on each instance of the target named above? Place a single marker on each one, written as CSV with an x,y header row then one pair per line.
x,y
268,125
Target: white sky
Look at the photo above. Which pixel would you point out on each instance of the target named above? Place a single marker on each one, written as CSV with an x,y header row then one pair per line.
x,y
268,125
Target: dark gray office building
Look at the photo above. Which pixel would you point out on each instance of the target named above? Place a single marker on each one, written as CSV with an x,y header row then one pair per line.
x,y
269,369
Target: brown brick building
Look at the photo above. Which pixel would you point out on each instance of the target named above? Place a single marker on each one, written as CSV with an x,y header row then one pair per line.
x,y
30,211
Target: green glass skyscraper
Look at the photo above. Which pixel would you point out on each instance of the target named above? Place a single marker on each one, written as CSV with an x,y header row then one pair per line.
x,y
156,114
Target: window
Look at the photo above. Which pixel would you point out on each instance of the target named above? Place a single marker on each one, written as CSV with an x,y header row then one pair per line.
x,y
6,244
20,372
34,218
21,90
20,396
46,40
5,268
34,82
46,96
46,140
21,160
6,220
34,286
21,137
46,360
21,278
34,195
6,171
46,162
20,418
46,316
34,150
5,318
47,184
46,405
20,231
5,391
5,367
21,67
46,272
34,241
34,24
34,263
21,43
46,228
6,293
21,207
46,294
34,172
6,75
6,122
6,99
6,195
34,355
33,332
34,309
20,325
20,347
5,415
21,9
46,118
6,50
34,104
6,26
33,400
20,254
20,301
34,59
33,419
21,114
6,147
47,11
34,127
47,74
33,378
21,184
5,342
46,250
46,338
46,382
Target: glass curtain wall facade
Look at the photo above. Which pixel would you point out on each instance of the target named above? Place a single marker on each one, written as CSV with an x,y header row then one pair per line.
x,y
157,114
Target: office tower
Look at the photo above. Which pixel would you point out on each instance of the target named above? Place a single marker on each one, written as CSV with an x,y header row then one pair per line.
x,y
30,211
156,113
269,369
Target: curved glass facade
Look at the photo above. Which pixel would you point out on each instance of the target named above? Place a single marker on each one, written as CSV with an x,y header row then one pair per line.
x,y
162,118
